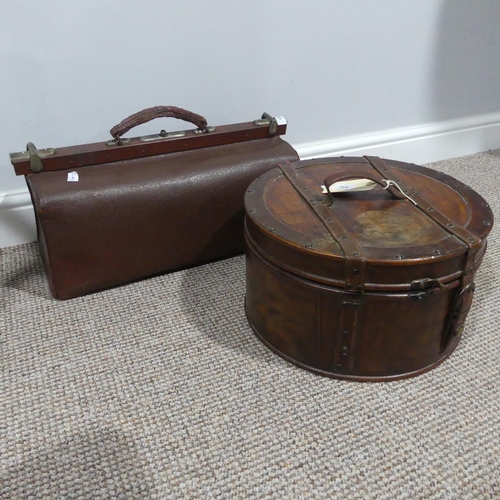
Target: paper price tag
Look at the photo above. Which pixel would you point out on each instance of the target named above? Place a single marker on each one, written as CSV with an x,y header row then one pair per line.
x,y
281,120
352,185
73,177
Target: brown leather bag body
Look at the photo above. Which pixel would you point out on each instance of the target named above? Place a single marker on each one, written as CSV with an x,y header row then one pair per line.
x,y
367,285
109,213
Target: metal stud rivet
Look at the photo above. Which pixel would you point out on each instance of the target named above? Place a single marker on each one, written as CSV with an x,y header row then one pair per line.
x,y
272,230
355,254
430,209
398,256
304,189
250,191
252,211
437,252
309,246
343,237
471,240
450,225
485,205
487,223
329,220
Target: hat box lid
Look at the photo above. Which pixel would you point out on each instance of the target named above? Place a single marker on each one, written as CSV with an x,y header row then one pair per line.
x,y
387,225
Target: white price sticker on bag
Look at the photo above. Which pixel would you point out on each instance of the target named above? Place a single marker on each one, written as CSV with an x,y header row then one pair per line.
x,y
73,177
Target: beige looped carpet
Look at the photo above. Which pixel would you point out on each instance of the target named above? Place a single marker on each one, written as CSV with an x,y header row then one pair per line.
x,y
159,389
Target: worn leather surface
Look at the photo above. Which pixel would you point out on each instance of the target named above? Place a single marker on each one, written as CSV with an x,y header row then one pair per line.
x,y
131,219
367,286
315,233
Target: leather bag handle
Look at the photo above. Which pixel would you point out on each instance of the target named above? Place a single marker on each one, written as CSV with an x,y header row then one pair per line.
x,y
149,114
372,176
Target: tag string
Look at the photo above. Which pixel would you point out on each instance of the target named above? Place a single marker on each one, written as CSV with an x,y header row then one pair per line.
x,y
392,183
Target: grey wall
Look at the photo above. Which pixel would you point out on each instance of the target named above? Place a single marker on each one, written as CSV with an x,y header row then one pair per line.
x,y
334,68
465,78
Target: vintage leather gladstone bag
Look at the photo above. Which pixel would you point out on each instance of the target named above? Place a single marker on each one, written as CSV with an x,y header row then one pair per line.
x,y
368,285
119,210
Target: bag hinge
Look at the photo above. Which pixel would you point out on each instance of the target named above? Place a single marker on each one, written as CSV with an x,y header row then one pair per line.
x,y
267,119
34,156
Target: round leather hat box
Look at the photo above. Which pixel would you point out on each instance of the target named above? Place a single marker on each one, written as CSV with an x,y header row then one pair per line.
x,y
362,268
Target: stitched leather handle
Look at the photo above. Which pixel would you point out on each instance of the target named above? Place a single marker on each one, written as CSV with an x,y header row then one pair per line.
x,y
372,176
149,114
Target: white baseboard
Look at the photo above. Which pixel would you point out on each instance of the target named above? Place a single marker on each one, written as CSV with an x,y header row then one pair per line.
x,y
421,144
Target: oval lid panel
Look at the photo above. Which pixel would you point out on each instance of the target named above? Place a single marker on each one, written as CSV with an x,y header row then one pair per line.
x,y
386,225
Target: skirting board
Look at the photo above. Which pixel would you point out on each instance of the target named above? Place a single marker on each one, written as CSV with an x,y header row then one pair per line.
x,y
17,221
421,144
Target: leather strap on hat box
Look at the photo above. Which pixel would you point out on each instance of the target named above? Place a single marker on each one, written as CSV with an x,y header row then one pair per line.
x,y
354,254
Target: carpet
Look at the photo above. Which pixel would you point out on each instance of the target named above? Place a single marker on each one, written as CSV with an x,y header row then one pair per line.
x,y
160,390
